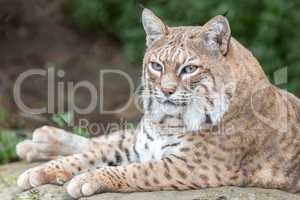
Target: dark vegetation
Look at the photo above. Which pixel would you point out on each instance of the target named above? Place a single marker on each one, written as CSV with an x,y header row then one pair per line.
x,y
270,28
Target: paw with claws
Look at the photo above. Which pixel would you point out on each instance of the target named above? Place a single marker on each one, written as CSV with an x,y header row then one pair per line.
x,y
88,184
49,173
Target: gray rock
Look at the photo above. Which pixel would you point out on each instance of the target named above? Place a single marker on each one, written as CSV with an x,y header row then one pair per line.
x,y
8,176
224,193
9,191
47,192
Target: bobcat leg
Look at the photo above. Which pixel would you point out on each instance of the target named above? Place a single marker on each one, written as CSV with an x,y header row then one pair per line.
x,y
119,152
57,171
170,173
49,143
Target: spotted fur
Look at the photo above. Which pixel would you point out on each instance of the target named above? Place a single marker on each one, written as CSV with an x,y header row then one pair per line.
x,y
223,125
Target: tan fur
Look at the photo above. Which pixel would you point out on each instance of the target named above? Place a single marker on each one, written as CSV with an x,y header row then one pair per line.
x,y
253,141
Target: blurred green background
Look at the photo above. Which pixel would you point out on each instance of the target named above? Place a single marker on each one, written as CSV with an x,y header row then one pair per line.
x,y
83,36
270,28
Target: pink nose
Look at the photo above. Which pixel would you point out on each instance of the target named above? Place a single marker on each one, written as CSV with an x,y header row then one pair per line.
x,y
168,91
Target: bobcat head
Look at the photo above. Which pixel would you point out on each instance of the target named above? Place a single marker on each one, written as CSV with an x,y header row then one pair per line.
x,y
185,72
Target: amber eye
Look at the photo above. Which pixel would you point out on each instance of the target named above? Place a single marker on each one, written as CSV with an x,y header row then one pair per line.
x,y
189,69
156,66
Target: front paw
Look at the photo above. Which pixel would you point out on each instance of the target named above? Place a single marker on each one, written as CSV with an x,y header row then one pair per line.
x,y
48,173
87,184
49,143
43,146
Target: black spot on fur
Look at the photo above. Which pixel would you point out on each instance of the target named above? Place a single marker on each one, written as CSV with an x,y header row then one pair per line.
x,y
111,163
118,158
127,154
170,145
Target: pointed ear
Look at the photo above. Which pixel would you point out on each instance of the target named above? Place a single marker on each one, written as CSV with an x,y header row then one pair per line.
x,y
153,26
217,34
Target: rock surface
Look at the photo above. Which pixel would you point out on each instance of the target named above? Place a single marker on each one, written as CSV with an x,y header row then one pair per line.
x,y
9,191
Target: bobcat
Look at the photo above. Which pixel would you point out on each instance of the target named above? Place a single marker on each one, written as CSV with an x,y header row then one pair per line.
x,y
211,119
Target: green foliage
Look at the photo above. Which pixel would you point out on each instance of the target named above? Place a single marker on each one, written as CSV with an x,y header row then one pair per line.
x,y
269,28
8,142
66,120
3,114
81,131
9,139
63,119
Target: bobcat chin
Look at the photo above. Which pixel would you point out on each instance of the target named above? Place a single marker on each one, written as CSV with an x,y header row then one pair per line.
x,y
211,119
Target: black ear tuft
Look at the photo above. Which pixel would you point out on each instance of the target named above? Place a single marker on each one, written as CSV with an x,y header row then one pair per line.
x,y
225,13
141,5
